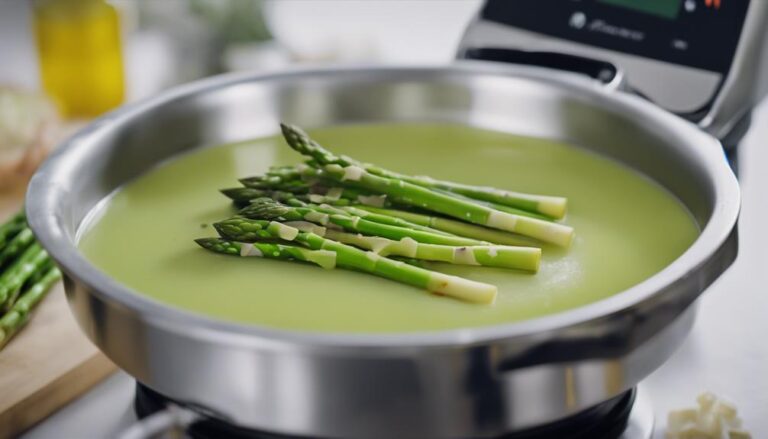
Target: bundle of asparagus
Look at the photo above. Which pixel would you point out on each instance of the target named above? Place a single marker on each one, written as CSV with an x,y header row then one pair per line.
x,y
26,275
334,211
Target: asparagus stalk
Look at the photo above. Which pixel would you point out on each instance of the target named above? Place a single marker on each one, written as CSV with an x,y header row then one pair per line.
x,y
11,228
17,245
434,224
369,216
242,196
550,206
311,185
337,196
522,258
323,258
39,273
497,206
275,183
422,197
18,315
455,227
269,209
547,205
242,229
12,279
284,177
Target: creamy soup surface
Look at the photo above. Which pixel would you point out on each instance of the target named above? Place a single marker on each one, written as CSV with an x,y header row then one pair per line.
x,y
627,229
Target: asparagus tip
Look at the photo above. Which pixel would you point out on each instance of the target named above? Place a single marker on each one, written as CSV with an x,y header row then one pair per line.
x,y
205,242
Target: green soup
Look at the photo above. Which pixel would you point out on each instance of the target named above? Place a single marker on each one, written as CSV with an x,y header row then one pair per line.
x,y
627,229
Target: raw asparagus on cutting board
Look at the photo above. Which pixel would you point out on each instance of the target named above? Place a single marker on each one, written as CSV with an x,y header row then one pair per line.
x,y
26,275
18,315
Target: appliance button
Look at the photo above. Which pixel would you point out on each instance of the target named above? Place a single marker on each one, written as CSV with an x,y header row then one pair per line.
x,y
578,20
680,44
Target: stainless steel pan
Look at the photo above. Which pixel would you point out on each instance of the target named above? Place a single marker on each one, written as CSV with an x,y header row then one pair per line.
x,y
459,383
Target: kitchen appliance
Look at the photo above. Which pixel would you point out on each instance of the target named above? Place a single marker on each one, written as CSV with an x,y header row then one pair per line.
x,y
627,416
704,60
478,382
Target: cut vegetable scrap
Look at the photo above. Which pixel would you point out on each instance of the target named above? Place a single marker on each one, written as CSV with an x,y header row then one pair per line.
x,y
714,418
28,125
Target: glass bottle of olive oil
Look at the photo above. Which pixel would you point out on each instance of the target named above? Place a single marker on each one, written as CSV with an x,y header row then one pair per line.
x,y
80,55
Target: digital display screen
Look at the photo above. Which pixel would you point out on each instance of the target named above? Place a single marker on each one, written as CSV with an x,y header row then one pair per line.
x,y
669,9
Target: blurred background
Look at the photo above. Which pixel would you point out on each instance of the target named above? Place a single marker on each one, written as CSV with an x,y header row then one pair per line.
x,y
144,46
68,61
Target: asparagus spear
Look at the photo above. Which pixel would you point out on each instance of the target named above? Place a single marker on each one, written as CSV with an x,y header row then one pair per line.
x,y
455,227
285,176
242,196
18,315
327,192
38,274
390,220
547,205
523,258
310,183
550,206
12,279
242,229
275,183
11,228
421,197
323,258
18,244
269,209
293,201
501,207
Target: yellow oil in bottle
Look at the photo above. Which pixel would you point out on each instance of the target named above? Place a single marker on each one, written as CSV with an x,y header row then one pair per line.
x,y
80,55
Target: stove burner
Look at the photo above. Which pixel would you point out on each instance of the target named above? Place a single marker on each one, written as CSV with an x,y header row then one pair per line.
x,y
607,420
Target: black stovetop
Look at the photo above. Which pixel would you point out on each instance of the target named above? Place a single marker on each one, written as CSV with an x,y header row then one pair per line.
x,y
607,420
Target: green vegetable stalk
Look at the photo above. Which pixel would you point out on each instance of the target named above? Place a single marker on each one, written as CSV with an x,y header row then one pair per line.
x,y
14,277
242,229
551,206
347,171
18,314
522,258
269,209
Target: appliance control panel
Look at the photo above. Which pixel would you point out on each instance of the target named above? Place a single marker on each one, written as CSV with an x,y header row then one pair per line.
x,y
701,34
704,60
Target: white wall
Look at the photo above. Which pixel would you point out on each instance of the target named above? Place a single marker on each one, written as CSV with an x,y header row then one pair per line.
x,y
413,31
18,62
389,31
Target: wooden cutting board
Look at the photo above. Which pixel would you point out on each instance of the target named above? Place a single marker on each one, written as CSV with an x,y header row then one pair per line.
x,y
49,363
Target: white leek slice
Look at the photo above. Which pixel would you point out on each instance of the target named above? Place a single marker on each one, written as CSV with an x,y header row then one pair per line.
x,y
714,418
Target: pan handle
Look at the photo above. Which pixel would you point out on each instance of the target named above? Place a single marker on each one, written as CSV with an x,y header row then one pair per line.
x,y
605,72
